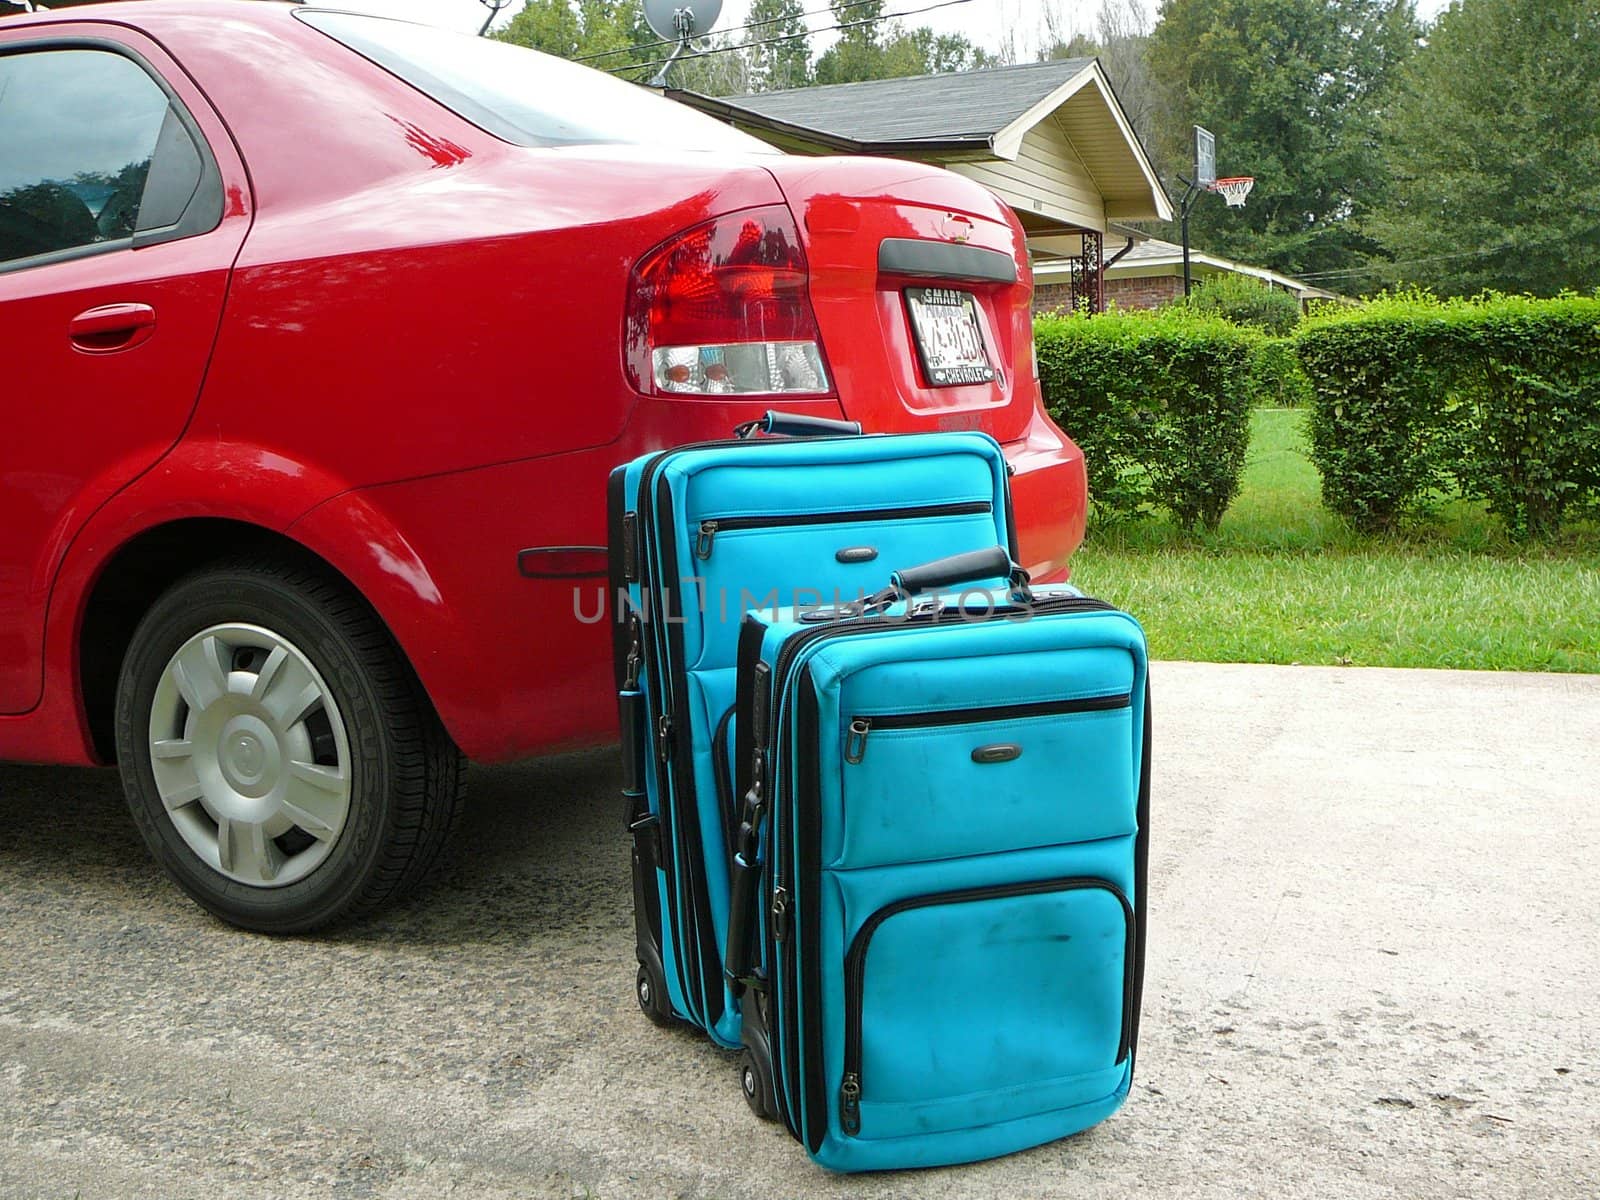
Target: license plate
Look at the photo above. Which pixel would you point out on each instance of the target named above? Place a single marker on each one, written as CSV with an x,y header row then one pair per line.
x,y
949,336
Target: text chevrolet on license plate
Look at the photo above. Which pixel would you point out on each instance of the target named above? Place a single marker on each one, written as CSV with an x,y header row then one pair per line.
x,y
949,338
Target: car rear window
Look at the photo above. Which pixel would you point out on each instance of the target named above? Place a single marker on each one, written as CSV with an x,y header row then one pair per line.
x,y
523,96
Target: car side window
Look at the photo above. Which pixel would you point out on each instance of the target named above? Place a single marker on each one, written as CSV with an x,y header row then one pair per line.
x,y
93,154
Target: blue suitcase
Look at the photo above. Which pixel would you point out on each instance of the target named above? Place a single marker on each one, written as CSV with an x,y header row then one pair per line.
x,y
937,933
698,535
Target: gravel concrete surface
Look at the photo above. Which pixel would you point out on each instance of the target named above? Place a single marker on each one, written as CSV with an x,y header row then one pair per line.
x,y
1374,970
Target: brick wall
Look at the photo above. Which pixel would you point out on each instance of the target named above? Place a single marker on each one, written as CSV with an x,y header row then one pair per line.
x,y
1151,291
1142,292
1048,297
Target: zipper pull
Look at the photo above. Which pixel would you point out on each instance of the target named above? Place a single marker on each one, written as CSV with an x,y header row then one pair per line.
x,y
850,1103
702,547
855,742
780,914
635,654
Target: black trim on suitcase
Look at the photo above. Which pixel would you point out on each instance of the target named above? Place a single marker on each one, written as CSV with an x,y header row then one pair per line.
x,y
686,812
722,769
808,847
617,554
1141,865
751,632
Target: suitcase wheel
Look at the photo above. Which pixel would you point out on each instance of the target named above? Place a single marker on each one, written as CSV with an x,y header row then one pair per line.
x,y
652,996
755,1081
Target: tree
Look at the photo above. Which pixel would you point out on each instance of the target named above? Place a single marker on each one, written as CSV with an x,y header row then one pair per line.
x,y
773,51
1494,142
866,49
784,63
1293,90
937,53
613,36
613,28
857,55
1121,42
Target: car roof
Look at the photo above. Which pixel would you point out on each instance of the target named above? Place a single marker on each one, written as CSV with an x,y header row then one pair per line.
x,y
140,12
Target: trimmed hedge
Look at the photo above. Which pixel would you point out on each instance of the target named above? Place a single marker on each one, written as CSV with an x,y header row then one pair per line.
x,y
1496,397
1160,403
1246,301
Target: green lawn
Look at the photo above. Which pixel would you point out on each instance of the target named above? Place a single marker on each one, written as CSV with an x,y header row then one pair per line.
x,y
1285,581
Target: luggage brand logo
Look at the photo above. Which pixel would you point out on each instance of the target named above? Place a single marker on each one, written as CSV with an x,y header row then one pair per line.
x,y
594,606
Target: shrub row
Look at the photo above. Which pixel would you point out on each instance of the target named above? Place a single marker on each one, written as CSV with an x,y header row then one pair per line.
x,y
1497,398
1160,404
1247,301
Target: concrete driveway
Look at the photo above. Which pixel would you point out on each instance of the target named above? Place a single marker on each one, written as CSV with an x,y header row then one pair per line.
x,y
1374,971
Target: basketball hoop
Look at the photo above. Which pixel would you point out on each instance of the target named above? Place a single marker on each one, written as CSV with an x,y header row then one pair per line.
x,y
1234,190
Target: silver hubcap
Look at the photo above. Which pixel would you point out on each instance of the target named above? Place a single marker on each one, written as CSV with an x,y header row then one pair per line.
x,y
250,755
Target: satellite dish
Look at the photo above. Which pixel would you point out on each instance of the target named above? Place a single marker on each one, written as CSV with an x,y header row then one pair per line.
x,y
680,20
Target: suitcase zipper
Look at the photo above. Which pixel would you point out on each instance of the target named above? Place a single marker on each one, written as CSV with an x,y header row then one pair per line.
x,y
711,527
855,967
855,742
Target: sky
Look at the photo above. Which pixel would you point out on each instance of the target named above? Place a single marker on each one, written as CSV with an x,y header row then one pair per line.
x,y
986,22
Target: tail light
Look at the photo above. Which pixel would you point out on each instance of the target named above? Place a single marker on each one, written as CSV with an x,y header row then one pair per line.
x,y
723,310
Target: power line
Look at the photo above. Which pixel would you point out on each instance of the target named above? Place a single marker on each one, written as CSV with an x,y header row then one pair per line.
x,y
1376,268
786,37
812,12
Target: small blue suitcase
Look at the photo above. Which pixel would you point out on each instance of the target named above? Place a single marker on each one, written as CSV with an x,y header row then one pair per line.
x,y
698,535
937,930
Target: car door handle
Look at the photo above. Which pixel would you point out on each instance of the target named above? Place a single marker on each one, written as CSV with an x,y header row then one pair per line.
x,y
111,327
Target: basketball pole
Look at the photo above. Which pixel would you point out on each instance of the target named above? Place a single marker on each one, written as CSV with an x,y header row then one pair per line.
x,y
1184,205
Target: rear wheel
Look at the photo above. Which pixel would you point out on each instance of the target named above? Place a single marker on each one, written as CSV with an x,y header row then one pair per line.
x,y
278,754
755,1081
651,993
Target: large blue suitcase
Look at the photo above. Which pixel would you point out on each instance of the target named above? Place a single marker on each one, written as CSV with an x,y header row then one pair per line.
x,y
699,534
938,918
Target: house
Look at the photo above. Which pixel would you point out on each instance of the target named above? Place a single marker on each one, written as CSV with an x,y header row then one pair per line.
x,y
1049,138
1149,273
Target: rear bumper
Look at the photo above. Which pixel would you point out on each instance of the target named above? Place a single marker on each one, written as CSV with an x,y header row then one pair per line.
x,y
1050,492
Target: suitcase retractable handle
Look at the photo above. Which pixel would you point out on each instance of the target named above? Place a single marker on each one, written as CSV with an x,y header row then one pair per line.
x,y
974,566
796,425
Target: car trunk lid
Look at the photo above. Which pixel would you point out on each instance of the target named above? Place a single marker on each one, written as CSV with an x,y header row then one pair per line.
x,y
922,292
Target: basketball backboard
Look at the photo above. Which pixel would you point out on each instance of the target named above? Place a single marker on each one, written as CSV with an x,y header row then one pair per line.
x,y
1205,157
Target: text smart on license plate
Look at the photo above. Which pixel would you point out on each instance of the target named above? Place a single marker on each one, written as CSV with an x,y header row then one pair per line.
x,y
949,337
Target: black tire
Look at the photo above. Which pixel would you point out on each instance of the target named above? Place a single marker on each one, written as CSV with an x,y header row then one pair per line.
x,y
651,993
407,776
755,1081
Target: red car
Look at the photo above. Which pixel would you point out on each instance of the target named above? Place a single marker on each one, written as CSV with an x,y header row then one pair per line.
x,y
320,335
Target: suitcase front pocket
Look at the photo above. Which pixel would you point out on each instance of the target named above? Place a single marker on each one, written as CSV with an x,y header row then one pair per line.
x,y
974,1007
919,787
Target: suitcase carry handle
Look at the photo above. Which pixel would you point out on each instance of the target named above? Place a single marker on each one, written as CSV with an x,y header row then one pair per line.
x,y
746,899
972,567
796,425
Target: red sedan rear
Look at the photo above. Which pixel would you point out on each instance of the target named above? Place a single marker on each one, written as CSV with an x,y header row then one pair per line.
x,y
314,323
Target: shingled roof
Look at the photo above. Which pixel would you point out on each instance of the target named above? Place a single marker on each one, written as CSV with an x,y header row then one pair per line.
x,y
1049,138
957,108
